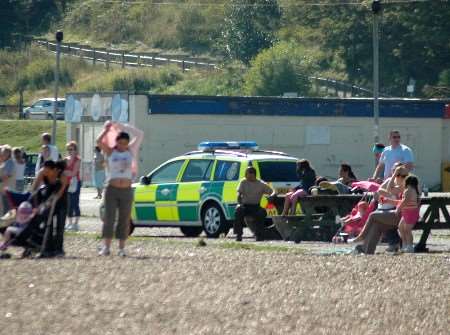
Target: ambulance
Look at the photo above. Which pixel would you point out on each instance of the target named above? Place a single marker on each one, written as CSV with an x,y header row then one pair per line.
x,y
196,192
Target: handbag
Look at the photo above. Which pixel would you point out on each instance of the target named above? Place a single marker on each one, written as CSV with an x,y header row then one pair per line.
x,y
73,185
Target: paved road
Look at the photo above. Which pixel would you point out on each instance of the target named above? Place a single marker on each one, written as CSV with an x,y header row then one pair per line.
x,y
90,222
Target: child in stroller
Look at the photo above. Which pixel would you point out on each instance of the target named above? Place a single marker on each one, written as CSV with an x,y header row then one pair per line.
x,y
30,226
42,234
24,215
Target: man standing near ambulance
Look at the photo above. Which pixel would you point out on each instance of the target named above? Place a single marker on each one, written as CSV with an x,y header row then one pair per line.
x,y
396,152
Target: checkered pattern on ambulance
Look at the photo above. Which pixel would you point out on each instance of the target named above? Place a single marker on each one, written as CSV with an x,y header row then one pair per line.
x,y
199,189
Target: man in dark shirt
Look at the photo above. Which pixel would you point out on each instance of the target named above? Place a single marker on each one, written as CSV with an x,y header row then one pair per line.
x,y
250,192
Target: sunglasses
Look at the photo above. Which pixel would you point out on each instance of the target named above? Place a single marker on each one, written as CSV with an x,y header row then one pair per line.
x,y
402,175
396,137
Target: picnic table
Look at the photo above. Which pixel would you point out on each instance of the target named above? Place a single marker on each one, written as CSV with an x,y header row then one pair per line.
x,y
318,220
436,216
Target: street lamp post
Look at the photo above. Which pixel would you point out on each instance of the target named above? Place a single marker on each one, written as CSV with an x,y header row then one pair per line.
x,y
376,10
59,37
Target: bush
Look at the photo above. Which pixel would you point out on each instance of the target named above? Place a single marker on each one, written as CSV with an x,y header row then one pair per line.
x,y
40,73
227,81
285,67
131,80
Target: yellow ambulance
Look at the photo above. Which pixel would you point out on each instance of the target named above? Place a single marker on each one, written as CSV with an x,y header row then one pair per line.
x,y
197,191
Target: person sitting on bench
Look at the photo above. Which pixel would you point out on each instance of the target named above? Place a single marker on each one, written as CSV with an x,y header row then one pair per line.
x,y
250,192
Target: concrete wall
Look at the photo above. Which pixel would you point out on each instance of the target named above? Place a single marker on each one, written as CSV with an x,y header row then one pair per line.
x,y
350,138
345,139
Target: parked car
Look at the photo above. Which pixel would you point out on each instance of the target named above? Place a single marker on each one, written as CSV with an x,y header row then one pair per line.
x,y
197,191
43,109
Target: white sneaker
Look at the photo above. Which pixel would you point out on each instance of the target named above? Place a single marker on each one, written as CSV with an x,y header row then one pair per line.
x,y
75,227
122,253
69,227
392,248
104,251
354,241
409,249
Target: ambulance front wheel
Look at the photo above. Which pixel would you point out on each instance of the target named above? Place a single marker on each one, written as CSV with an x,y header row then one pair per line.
x,y
213,220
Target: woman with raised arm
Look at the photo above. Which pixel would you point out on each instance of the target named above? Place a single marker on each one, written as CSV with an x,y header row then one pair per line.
x,y
120,143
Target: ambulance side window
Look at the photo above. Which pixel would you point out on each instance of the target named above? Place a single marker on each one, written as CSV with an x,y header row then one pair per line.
x,y
168,173
197,170
227,171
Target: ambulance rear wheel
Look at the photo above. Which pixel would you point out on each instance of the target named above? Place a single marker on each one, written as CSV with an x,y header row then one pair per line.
x,y
191,231
213,220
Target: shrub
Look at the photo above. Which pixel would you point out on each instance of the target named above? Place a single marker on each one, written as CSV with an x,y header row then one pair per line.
x,y
283,68
130,80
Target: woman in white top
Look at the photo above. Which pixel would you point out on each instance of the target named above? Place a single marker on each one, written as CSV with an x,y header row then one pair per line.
x,y
120,159
19,163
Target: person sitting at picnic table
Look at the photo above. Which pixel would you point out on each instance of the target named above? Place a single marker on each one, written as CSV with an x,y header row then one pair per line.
x,y
344,183
307,178
385,218
250,192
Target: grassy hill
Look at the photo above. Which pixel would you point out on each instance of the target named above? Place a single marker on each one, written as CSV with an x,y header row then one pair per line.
x,y
277,41
27,133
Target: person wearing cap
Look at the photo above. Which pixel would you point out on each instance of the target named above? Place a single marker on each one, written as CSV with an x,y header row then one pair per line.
x,y
250,192
395,152
377,150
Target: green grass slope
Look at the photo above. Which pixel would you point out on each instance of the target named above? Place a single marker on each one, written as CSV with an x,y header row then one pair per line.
x,y
26,133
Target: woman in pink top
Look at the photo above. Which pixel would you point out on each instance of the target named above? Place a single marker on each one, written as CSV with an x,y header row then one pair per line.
x,y
120,144
72,172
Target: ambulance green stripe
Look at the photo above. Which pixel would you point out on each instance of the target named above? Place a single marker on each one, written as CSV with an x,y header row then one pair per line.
x,y
213,189
146,213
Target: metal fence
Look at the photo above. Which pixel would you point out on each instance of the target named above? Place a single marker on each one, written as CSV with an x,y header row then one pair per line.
x,y
124,58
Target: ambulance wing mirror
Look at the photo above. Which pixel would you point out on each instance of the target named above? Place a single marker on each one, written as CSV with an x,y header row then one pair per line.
x,y
146,180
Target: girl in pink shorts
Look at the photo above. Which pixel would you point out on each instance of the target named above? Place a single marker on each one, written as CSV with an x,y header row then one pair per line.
x,y
409,208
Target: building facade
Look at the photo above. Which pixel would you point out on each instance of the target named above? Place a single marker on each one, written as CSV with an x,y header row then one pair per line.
x,y
325,131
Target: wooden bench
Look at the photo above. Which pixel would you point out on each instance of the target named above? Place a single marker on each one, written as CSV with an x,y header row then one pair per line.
x,y
436,216
318,221
319,213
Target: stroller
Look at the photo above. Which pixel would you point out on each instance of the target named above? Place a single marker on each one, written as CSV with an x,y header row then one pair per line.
x,y
34,235
353,223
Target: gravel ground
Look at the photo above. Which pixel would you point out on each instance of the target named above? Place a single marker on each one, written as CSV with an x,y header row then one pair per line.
x,y
169,285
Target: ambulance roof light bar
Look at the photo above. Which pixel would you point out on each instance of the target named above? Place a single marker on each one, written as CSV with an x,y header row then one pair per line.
x,y
227,145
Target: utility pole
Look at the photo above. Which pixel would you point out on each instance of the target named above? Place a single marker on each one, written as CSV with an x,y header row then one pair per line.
x,y
376,10
59,37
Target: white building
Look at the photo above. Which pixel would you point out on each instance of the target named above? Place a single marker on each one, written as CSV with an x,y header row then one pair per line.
x,y
327,132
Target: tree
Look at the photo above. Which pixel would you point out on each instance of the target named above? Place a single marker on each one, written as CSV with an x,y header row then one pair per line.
x,y
285,67
249,27
414,41
21,17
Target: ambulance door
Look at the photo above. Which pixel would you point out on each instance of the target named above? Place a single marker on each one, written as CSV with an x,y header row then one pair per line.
x,y
196,173
165,180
